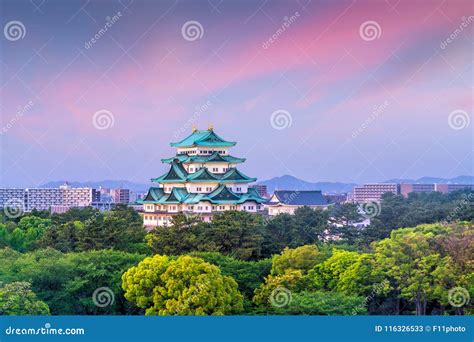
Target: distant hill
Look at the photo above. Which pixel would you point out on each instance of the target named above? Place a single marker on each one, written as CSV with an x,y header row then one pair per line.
x,y
288,182
425,180
285,182
105,184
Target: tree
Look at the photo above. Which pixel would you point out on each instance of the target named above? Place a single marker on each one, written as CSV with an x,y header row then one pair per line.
x,y
301,258
417,267
181,237
63,237
75,214
284,284
324,303
311,225
236,233
278,234
24,235
66,282
345,272
346,213
184,286
398,211
121,229
248,274
17,298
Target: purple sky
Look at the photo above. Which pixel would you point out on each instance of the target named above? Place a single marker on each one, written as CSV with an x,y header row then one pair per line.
x,y
361,91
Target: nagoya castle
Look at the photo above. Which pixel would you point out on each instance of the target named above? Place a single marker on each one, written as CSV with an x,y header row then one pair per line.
x,y
202,179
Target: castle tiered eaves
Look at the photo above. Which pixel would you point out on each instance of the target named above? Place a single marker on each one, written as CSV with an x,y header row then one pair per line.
x,y
202,179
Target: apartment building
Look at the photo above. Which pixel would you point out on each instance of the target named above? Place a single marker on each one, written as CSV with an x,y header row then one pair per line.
x,y
374,191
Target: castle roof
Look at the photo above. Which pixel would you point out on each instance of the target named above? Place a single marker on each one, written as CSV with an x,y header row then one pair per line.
x,y
213,158
178,174
203,138
296,197
221,195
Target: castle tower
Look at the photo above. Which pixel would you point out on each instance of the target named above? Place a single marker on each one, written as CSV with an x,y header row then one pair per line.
x,y
202,179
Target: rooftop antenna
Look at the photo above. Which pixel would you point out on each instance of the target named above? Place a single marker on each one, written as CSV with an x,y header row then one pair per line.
x,y
194,128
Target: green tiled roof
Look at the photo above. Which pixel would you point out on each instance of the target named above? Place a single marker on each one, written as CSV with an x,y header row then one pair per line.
x,y
202,175
203,138
153,195
213,158
178,174
235,176
221,195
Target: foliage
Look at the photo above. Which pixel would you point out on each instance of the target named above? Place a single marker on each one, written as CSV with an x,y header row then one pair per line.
x,y
307,226
66,282
419,208
120,229
324,303
17,298
237,233
326,268
24,235
234,233
248,274
345,272
181,237
290,281
182,286
301,258
417,265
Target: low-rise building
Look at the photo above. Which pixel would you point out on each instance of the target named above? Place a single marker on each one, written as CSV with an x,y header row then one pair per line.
x,y
120,195
287,201
57,200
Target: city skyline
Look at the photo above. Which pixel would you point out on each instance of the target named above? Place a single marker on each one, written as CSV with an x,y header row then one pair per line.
x,y
348,92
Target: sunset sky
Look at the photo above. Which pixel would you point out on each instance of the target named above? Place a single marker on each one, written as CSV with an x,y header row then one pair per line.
x,y
358,108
